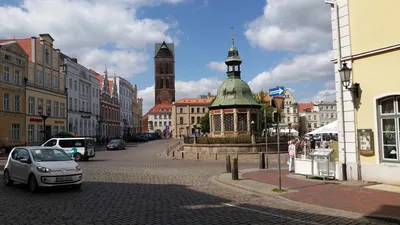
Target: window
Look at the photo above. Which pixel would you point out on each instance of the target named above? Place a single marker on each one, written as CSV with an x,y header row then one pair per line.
x,y
55,81
198,120
389,128
75,85
192,110
198,110
55,105
6,74
39,77
181,120
192,119
332,115
17,103
40,134
75,104
180,110
6,102
93,93
161,83
40,102
47,57
48,106
15,132
18,74
31,133
7,57
204,110
315,117
31,106
70,83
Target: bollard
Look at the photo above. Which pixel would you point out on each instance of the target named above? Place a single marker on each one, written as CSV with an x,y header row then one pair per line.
x,y
262,160
173,154
228,164
197,156
216,156
167,153
235,170
183,155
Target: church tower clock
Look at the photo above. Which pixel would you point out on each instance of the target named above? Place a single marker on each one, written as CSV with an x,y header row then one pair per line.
x,y
164,73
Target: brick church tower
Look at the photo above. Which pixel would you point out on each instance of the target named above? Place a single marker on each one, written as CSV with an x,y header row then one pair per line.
x,y
164,73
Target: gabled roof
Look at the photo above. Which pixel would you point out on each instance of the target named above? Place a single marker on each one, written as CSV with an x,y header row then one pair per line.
x,y
304,106
170,46
163,108
13,42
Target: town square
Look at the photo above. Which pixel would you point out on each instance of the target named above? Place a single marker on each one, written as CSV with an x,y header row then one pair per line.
x,y
199,112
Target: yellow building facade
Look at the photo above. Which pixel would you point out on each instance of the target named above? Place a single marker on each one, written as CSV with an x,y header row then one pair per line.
x,y
45,88
370,45
13,70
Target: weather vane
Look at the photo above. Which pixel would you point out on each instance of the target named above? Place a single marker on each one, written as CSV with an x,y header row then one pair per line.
x,y
233,36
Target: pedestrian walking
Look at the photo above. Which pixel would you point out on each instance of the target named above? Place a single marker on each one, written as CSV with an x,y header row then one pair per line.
x,y
292,154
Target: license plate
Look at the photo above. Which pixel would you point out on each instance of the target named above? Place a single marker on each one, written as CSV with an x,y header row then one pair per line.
x,y
59,179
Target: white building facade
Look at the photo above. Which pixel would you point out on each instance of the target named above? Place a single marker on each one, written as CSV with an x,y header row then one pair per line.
x,y
83,98
125,93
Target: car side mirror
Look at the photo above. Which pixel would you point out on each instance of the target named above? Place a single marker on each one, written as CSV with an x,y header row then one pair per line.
x,y
24,160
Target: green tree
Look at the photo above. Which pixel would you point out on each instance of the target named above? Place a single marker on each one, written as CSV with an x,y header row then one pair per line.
x,y
205,123
263,99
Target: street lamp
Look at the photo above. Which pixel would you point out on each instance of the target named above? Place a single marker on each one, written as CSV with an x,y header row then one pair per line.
x,y
125,131
100,120
290,127
252,127
345,73
194,129
44,118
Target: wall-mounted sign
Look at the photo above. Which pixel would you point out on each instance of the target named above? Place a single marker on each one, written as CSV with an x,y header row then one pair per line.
x,y
365,142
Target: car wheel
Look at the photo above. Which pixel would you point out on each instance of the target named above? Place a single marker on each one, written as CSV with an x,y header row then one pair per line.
x,y
32,184
7,178
78,156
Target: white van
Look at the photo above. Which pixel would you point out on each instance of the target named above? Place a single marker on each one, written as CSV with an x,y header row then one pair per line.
x,y
79,148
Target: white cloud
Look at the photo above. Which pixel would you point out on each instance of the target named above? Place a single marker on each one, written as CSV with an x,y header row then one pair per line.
x,y
218,66
290,89
184,89
82,28
325,95
300,68
292,26
330,84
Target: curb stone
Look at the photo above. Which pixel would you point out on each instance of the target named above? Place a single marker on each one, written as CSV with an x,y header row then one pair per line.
x,y
216,179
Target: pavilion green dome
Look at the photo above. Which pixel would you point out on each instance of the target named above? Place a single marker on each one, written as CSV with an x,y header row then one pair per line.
x,y
234,92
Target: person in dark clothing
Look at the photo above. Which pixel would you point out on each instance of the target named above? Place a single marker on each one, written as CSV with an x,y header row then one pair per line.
x,y
312,144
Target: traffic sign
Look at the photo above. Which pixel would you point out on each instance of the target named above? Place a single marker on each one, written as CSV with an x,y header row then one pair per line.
x,y
278,102
278,91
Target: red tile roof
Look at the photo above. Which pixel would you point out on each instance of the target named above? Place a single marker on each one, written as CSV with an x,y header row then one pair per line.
x,y
304,106
266,97
163,108
98,76
194,101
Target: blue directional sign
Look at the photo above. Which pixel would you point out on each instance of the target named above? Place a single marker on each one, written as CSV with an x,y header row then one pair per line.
x,y
278,91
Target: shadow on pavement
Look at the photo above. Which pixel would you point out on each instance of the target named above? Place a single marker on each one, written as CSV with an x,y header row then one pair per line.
x,y
135,203
384,210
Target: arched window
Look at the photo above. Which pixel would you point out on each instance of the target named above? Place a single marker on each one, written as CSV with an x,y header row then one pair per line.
x,y
161,67
181,120
167,83
389,128
166,68
76,126
161,83
47,56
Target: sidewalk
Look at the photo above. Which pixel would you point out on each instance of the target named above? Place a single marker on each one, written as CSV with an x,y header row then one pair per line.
x,y
348,196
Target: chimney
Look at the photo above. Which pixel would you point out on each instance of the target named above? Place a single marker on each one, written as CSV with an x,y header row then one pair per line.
x,y
208,96
75,60
33,47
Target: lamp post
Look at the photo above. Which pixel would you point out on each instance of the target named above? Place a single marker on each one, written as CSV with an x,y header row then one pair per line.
x,y
44,118
252,127
100,120
290,128
125,131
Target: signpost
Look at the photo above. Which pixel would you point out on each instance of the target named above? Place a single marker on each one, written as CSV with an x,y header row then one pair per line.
x,y
278,91
266,135
278,104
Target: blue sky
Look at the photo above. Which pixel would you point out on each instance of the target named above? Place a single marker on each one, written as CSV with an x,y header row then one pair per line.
x,y
281,42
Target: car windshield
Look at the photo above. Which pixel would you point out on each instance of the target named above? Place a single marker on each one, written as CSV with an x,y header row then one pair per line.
x,y
48,155
114,142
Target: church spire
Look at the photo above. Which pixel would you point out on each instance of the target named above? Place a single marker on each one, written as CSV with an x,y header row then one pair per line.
x,y
233,61
106,88
115,87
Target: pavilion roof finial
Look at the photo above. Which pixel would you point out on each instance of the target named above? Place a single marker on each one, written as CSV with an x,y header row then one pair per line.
x,y
233,35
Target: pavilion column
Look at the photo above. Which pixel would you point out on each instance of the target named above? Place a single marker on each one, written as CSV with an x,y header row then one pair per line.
x,y
248,121
235,122
222,123
258,122
211,115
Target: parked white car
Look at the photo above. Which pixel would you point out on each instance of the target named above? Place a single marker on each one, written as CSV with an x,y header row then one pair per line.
x,y
41,167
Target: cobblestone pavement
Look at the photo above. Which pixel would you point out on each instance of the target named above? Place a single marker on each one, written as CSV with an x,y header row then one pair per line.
x,y
135,186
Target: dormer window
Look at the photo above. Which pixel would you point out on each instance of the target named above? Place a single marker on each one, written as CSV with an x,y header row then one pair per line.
x,y
7,57
47,56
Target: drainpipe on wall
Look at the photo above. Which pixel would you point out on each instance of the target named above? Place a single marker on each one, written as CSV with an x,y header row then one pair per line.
x,y
339,62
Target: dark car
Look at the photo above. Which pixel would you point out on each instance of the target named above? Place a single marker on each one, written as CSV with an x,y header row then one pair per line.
x,y
139,138
116,144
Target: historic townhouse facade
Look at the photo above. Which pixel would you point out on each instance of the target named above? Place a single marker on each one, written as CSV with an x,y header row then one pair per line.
x,y
45,88
124,90
83,98
136,114
13,71
109,124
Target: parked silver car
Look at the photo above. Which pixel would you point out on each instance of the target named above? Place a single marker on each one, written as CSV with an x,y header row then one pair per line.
x,y
41,167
